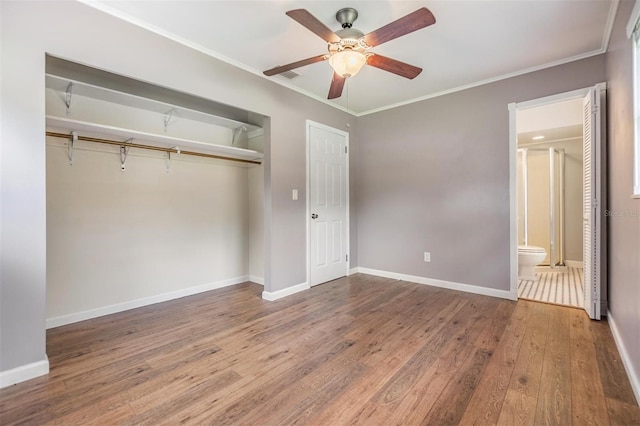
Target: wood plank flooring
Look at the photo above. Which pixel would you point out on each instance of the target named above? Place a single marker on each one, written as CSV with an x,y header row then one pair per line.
x,y
359,350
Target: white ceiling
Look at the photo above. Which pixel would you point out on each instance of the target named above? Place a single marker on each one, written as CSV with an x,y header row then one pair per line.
x,y
549,116
553,122
472,42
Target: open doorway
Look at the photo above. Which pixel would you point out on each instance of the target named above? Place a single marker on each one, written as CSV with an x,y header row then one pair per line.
x,y
557,192
550,202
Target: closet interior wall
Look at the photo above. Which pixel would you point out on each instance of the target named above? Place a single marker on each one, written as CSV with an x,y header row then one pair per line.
x,y
163,227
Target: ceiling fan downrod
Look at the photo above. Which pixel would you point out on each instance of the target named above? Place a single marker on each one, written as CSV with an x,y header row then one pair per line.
x,y
346,17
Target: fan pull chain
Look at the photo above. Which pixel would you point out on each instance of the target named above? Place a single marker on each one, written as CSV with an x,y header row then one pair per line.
x,y
348,84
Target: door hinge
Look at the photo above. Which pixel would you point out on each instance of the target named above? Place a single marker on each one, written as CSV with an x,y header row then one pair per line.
x,y
346,257
346,150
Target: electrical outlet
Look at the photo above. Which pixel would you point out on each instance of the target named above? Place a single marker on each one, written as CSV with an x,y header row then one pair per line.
x,y
427,256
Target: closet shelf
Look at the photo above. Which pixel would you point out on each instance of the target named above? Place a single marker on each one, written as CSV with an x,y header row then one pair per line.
x,y
80,88
163,141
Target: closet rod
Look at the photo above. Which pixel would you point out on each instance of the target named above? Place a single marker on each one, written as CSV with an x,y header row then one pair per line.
x,y
149,147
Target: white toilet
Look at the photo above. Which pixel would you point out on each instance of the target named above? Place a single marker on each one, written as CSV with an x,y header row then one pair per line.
x,y
528,258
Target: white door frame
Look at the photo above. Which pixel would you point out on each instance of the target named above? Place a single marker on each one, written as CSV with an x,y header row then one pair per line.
x,y
308,125
513,167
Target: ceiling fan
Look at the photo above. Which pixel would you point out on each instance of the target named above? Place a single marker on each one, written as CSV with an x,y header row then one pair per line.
x,y
349,47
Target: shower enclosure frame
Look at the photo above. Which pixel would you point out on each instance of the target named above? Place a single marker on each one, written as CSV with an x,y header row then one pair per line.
x,y
553,178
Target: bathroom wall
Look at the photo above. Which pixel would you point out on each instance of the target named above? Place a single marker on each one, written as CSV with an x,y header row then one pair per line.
x,y
539,220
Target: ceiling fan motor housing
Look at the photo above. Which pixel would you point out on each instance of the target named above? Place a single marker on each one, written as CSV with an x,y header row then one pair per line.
x,y
350,38
355,44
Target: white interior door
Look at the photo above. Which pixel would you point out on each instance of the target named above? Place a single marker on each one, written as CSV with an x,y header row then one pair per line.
x,y
328,183
592,203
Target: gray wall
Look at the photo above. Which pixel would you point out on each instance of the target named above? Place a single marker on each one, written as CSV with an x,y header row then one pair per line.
x,y
434,176
29,30
624,226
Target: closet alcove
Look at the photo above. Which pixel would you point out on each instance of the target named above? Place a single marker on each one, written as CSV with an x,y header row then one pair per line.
x,y
152,193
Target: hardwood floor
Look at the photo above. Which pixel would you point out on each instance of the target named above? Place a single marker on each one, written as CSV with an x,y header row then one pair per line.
x,y
359,350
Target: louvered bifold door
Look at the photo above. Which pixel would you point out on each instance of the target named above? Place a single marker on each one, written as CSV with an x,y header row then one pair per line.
x,y
591,243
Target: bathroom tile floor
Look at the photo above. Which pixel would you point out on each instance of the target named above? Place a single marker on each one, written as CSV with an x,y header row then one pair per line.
x,y
559,287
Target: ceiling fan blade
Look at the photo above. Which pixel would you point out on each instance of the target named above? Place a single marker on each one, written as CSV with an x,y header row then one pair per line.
x,y
337,84
414,21
391,65
310,22
294,65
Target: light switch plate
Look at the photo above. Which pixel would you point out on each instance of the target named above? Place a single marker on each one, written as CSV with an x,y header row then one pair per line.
x,y
294,194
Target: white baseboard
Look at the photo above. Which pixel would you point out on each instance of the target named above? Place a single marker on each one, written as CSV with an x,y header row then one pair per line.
x,y
574,263
137,303
256,279
354,271
634,378
279,294
24,373
468,288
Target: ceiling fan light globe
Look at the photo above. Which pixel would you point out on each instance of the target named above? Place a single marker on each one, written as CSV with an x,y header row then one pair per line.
x,y
347,63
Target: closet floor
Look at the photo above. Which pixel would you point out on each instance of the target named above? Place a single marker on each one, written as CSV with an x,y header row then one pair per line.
x,y
561,288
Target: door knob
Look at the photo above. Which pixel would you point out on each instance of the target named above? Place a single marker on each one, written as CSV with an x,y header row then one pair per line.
x,y
314,216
